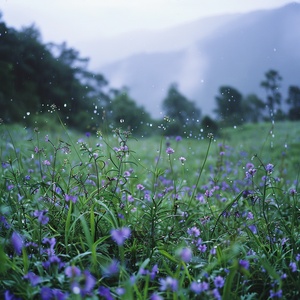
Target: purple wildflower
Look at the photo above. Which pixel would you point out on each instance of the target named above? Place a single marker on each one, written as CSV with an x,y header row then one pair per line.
x,y
253,228
72,271
199,287
155,296
170,150
4,222
277,294
185,254
41,215
105,292
8,295
33,278
269,168
219,282
194,231
71,198
168,283
216,294
120,235
293,266
244,264
140,187
17,242
182,159
46,293
202,248
111,269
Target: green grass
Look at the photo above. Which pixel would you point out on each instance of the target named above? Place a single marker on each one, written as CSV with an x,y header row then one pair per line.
x,y
219,217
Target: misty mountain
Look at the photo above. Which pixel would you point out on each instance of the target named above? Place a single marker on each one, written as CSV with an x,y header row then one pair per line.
x,y
235,51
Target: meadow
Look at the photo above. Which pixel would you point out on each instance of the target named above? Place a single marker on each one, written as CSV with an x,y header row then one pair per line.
x,y
109,216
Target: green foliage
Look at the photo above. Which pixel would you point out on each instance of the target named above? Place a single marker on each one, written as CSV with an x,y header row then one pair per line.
x,y
36,77
183,113
126,114
294,102
210,217
271,84
229,106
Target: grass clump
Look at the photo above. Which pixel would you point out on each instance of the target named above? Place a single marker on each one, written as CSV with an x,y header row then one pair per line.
x,y
110,217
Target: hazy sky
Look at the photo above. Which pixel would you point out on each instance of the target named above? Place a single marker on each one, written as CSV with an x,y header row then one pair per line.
x,y
77,21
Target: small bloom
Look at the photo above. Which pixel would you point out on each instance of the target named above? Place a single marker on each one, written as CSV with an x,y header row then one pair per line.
x,y
168,283
71,198
170,150
182,159
155,296
199,287
274,294
244,264
105,292
46,162
120,235
219,282
17,242
194,231
269,168
46,293
41,215
253,228
72,271
111,269
185,254
293,266
140,187
33,278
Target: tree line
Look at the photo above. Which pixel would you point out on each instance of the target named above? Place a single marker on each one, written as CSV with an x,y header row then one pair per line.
x,y
38,78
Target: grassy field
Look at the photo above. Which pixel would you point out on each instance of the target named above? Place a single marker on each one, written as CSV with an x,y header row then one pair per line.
x,y
93,216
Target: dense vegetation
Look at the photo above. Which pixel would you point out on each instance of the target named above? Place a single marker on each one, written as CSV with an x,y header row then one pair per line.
x,y
203,209
37,78
110,217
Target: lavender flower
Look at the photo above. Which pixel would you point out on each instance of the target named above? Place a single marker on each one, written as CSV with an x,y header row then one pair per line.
x,y
105,292
41,215
244,264
33,278
194,231
269,168
72,271
199,287
17,242
185,254
219,282
155,296
168,283
170,150
120,235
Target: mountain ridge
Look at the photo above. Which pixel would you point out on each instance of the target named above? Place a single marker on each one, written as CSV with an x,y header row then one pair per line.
x,y
237,52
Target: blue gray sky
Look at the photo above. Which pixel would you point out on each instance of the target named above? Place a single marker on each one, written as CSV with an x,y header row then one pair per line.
x,y
80,21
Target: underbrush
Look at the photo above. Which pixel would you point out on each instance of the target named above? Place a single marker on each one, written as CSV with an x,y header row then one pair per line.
x,y
111,217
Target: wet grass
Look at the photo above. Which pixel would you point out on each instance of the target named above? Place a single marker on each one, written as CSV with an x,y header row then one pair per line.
x,y
112,217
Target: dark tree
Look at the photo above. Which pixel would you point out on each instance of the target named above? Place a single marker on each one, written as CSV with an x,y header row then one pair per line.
x,y
271,84
294,102
253,108
229,106
126,114
35,77
183,113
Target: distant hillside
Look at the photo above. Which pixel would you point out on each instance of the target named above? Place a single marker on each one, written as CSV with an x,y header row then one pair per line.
x,y
235,51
